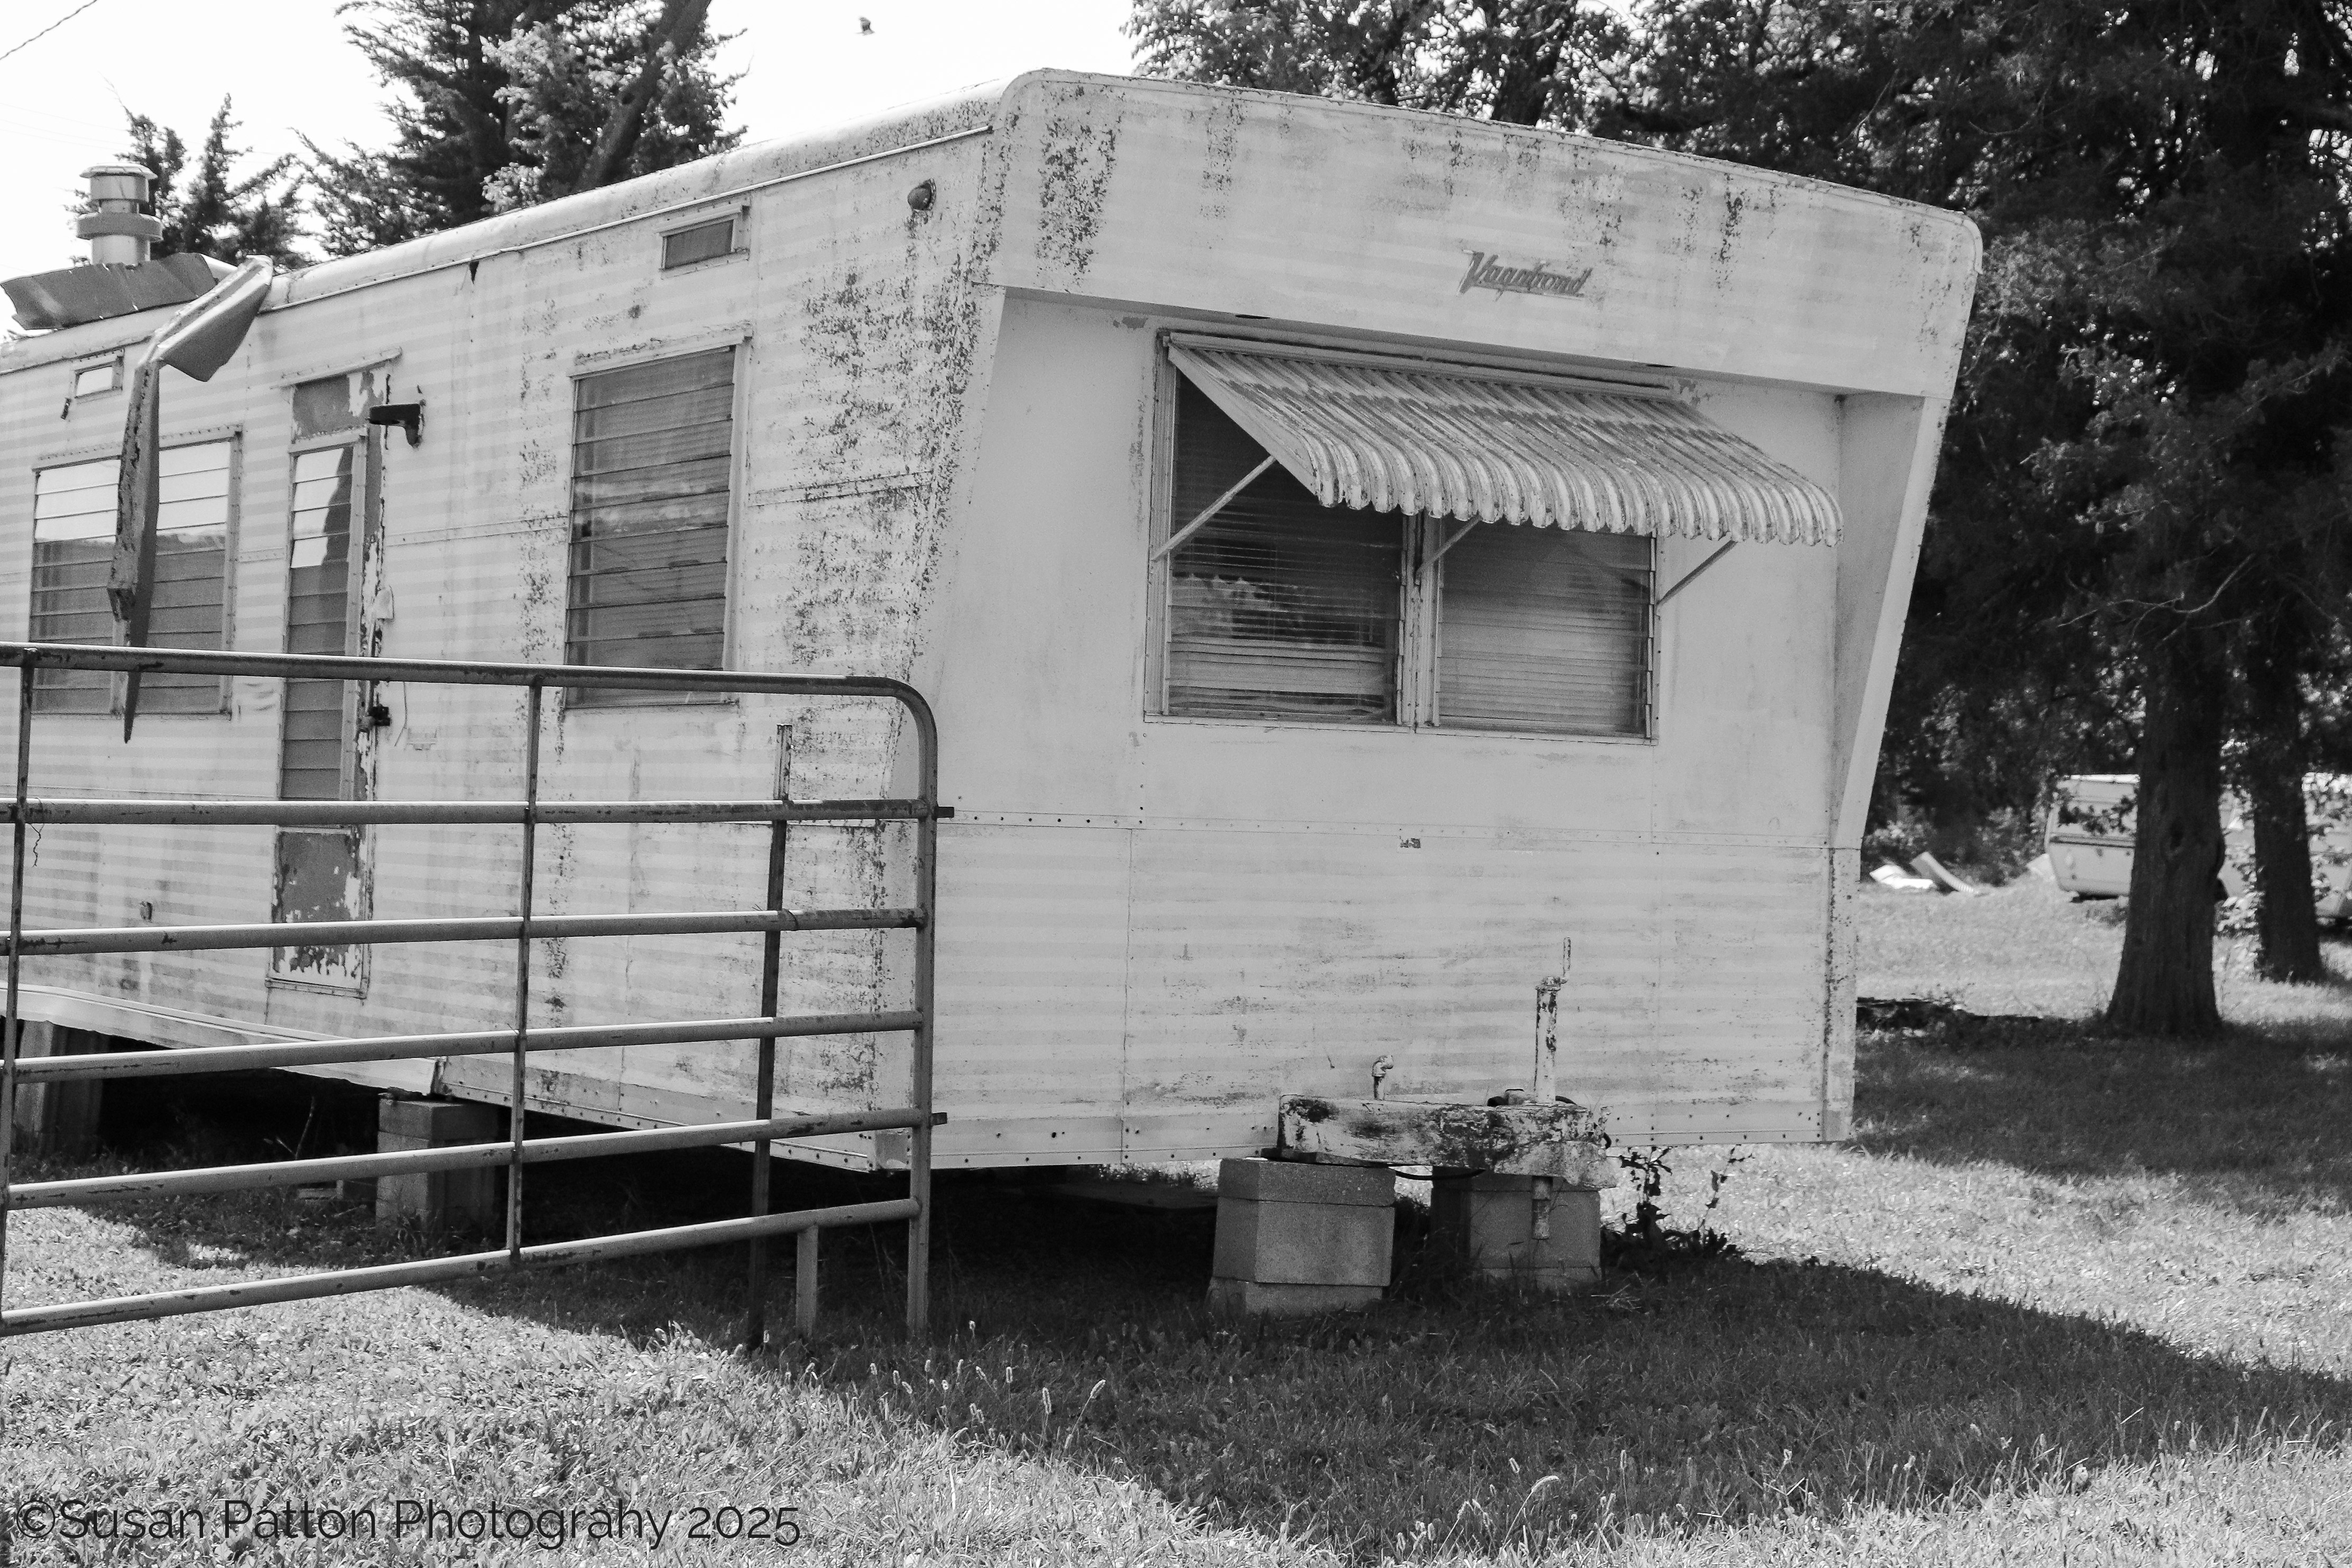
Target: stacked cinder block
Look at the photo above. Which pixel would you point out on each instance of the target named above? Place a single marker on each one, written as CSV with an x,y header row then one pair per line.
x,y
438,1200
1484,1225
1296,1239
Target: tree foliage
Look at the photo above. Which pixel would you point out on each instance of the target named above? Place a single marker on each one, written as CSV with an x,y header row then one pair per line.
x,y
500,103
209,209
1530,62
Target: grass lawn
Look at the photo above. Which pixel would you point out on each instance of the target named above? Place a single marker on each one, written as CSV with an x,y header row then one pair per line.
x,y
2025,949
2065,1299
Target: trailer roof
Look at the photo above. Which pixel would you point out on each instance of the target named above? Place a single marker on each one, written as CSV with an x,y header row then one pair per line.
x,y
968,113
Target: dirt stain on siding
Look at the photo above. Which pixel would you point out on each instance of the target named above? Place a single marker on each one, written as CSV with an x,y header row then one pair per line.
x,y
1074,180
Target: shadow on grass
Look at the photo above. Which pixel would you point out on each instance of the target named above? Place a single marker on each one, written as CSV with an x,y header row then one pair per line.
x,y
2253,1122
1447,1420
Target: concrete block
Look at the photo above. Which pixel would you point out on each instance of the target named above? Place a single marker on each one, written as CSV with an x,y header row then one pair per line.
x,y
1301,1239
1247,1298
438,1200
1484,1226
1298,1182
57,1120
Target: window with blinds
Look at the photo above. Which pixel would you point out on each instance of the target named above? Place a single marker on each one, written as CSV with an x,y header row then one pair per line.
x,y
319,619
73,547
651,454
1543,630
1280,609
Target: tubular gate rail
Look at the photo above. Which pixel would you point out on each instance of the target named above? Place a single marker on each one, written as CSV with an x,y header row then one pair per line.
x,y
520,1040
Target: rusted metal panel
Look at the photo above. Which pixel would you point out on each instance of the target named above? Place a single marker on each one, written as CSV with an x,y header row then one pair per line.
x,y
1562,1143
320,882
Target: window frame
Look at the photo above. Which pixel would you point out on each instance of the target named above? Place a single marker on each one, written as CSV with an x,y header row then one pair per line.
x,y
739,243
367,507
1419,614
574,699
233,438
115,361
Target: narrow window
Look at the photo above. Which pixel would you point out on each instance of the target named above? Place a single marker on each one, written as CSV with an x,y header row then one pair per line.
x,y
703,242
652,448
1545,631
1280,607
73,546
324,873
318,619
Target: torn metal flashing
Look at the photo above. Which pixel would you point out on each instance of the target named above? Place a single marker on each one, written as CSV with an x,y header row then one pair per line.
x,y
72,295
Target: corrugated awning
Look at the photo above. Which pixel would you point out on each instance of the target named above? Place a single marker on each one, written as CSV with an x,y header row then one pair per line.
x,y
1506,448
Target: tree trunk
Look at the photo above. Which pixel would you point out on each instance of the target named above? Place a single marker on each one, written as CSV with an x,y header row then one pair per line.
x,y
2165,982
2286,924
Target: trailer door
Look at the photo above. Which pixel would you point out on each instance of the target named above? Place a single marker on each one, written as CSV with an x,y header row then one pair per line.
x,y
322,873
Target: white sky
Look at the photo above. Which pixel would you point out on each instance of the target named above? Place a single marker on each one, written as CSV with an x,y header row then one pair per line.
x,y
806,65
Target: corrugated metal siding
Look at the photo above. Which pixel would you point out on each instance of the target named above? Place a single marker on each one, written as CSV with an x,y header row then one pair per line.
x,y
1493,449
858,322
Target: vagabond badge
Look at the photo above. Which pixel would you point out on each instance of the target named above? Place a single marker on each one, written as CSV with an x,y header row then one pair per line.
x,y
1490,272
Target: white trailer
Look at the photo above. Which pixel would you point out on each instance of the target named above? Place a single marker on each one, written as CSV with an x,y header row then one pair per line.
x,y
2088,834
1309,521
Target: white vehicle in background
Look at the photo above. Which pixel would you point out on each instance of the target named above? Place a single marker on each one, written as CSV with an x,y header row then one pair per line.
x,y
2088,836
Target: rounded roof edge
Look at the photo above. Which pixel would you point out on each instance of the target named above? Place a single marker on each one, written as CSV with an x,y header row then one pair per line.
x,y
706,179
1019,85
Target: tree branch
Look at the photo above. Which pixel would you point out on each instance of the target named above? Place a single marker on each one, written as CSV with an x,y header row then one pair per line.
x,y
680,21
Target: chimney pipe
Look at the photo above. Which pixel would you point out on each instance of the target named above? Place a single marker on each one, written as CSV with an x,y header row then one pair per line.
x,y
118,232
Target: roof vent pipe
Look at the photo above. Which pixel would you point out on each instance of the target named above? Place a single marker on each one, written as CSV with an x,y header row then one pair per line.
x,y
118,232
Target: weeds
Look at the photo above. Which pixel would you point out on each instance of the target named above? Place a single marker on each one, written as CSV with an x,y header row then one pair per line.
x,y
1644,1242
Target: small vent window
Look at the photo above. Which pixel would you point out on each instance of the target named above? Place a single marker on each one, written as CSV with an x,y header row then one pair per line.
x,y
703,242
90,379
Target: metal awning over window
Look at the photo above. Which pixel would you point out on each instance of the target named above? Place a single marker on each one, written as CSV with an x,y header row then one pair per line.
x,y
1505,448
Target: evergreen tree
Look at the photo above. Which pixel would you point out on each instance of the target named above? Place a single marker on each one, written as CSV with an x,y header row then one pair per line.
x,y
499,103
1530,62
208,209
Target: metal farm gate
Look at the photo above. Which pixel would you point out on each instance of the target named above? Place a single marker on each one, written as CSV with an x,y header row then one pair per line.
x,y
518,1040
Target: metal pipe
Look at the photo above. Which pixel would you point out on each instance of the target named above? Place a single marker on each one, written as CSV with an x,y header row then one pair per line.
x,y
1687,578
521,928
1546,1077
451,672
918,1164
453,1157
490,928
10,1041
772,958
515,1101
474,1043
432,813
431,1270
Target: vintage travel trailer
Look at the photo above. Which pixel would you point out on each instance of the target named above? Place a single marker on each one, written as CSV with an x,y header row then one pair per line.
x,y
2088,837
1353,555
